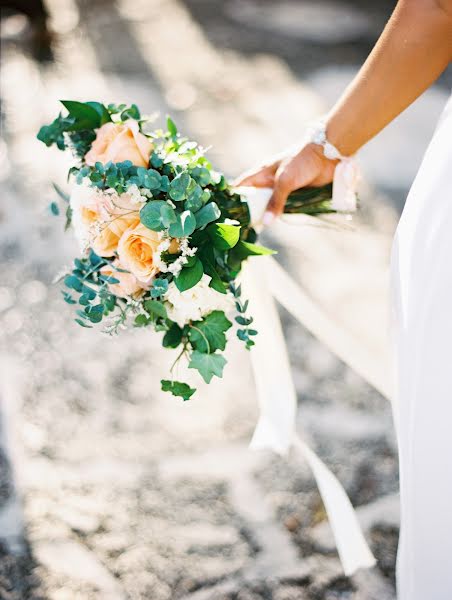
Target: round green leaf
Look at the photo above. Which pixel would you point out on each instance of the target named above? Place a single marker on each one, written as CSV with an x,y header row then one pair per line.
x,y
151,215
178,186
184,225
210,212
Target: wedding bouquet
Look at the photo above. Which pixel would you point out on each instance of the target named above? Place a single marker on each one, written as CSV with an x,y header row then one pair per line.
x,y
163,235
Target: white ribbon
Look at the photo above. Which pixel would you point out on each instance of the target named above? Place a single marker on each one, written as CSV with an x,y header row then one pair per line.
x,y
276,428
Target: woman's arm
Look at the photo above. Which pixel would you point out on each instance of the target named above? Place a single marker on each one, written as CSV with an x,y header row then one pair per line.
x,y
414,49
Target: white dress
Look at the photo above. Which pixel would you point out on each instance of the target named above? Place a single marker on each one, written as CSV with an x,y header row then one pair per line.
x,y
422,299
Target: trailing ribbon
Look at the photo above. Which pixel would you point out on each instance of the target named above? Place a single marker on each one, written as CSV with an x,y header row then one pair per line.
x,y
276,428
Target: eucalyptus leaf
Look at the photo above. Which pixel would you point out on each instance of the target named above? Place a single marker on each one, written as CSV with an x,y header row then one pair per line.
x,y
152,180
208,213
168,215
54,208
201,175
151,215
159,288
184,225
178,186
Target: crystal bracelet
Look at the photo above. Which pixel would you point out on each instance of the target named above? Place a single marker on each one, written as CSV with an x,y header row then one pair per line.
x,y
316,134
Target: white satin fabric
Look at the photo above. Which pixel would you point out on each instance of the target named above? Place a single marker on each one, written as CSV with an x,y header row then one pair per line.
x,y
263,282
422,294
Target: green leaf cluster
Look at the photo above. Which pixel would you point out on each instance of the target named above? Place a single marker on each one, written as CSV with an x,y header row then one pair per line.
x,y
87,282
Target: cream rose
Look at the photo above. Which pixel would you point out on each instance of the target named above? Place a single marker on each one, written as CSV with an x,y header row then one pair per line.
x,y
128,284
117,142
136,250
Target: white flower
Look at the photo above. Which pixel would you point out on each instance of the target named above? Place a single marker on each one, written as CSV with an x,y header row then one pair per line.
x,y
195,303
84,203
136,194
176,266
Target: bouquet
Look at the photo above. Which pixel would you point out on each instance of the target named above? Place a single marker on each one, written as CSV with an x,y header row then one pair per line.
x,y
163,235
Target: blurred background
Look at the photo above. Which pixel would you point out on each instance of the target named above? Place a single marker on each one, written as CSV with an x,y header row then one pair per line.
x,y
108,489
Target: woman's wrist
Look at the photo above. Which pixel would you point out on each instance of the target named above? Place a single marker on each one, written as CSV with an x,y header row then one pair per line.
x,y
317,134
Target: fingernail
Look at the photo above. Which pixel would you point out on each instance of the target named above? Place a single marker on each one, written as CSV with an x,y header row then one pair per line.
x,y
268,218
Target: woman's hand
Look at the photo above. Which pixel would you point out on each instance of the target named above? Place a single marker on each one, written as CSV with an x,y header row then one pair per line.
x,y
294,169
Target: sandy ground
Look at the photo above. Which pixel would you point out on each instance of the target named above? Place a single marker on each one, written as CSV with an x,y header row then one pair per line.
x,y
109,489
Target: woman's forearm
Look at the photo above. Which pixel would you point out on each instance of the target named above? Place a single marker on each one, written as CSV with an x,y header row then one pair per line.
x,y
414,49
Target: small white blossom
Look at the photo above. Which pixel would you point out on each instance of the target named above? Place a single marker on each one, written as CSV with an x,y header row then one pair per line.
x,y
195,303
136,194
176,266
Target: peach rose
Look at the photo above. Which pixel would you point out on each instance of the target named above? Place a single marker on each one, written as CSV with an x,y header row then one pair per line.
x,y
117,142
136,250
118,214
100,219
128,284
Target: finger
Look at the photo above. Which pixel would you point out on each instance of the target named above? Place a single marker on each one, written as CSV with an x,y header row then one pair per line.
x,y
276,203
261,177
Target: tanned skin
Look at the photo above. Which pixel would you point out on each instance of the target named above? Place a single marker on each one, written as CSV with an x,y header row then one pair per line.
x,y
413,50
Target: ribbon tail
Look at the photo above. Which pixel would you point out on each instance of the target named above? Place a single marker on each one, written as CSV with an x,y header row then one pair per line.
x,y
352,547
276,428
277,399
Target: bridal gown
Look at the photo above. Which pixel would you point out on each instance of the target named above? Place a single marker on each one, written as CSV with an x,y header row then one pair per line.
x,y
421,272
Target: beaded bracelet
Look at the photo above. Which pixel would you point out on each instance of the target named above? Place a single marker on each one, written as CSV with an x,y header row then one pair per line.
x,y
317,135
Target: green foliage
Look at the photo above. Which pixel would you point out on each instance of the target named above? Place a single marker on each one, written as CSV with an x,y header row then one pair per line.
x,y
173,337
155,308
178,188
182,197
54,208
171,126
83,115
102,111
77,129
242,250
207,256
208,335
210,212
245,334
189,276
177,388
223,236
208,365
132,112
159,288
152,217
183,226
